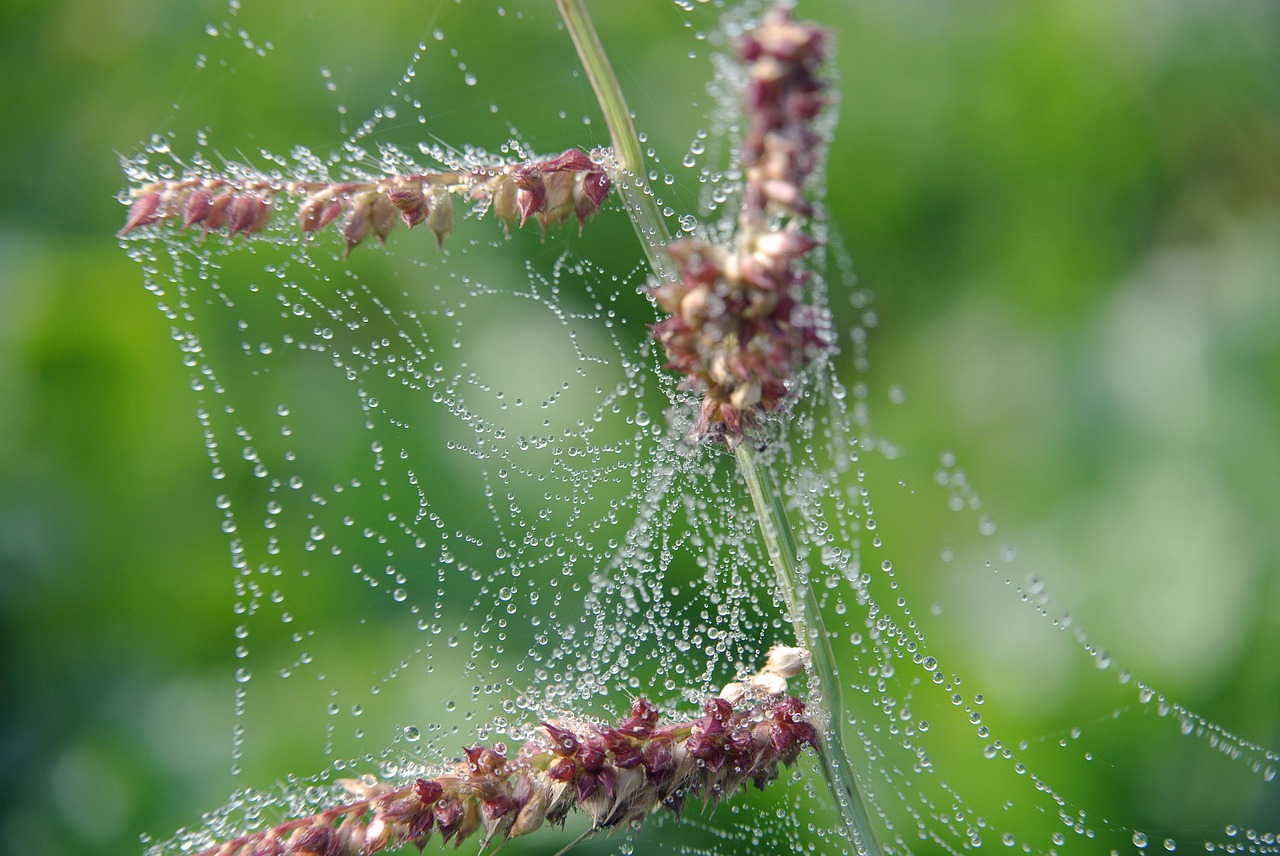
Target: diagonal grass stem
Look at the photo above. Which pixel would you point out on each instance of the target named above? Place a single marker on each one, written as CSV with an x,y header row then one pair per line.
x,y
636,194
806,620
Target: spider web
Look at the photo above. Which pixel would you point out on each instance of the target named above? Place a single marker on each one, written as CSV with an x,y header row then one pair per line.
x,y
459,499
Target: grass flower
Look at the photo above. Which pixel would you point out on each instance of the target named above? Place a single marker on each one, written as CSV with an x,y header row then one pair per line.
x,y
617,775
549,190
738,327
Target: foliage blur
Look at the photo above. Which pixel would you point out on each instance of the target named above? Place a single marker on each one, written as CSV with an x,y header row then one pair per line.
x,y
1069,216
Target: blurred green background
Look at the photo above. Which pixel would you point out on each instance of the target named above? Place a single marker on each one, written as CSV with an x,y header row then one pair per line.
x,y
1068,213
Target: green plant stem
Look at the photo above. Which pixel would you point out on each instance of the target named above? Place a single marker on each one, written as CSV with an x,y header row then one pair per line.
x,y
636,194
811,634
802,605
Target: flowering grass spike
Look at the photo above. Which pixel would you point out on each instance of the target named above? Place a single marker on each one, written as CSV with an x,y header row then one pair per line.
x,y
738,328
550,191
616,775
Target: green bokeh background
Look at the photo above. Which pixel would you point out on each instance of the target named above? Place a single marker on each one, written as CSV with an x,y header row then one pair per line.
x,y
1069,214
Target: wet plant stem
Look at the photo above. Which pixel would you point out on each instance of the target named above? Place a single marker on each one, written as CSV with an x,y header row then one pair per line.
x,y
792,578
811,633
636,195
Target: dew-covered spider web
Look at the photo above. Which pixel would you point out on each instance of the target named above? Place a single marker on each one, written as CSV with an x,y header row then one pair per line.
x,y
459,497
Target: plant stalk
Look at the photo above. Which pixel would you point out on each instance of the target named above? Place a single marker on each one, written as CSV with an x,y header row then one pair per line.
x,y
792,579
636,194
811,634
